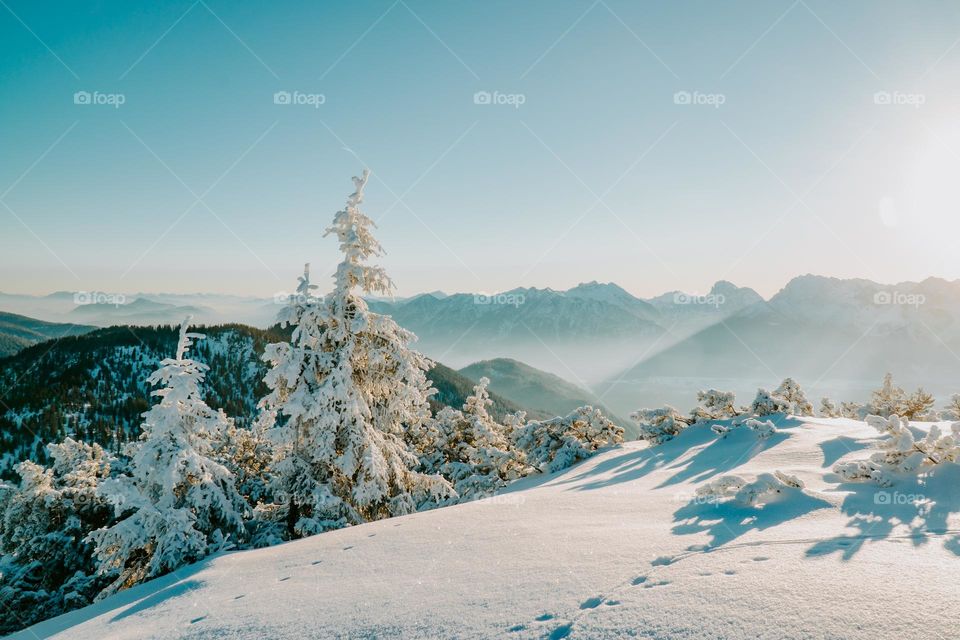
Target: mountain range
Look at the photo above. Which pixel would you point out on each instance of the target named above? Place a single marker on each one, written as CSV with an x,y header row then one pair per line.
x,y
836,336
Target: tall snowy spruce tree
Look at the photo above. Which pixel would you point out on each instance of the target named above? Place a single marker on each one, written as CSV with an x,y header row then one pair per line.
x,y
343,392
177,504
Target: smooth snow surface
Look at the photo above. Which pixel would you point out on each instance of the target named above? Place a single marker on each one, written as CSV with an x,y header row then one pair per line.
x,y
615,547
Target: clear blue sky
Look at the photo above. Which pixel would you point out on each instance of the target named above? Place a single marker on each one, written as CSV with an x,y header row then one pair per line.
x,y
599,174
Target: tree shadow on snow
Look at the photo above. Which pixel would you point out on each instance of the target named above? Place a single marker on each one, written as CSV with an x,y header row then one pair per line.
x,y
716,455
728,520
726,453
635,464
173,591
915,509
840,446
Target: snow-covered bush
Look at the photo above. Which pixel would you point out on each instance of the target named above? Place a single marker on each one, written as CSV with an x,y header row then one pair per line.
x,y
177,504
342,394
469,448
657,426
900,452
46,567
918,406
748,493
787,398
766,404
952,410
887,400
763,428
555,444
828,409
853,410
714,405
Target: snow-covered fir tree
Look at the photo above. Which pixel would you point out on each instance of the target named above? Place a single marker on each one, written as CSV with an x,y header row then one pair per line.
x,y
469,448
555,444
177,504
656,426
342,394
46,567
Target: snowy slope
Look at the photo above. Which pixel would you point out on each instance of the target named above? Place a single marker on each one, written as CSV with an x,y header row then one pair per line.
x,y
611,548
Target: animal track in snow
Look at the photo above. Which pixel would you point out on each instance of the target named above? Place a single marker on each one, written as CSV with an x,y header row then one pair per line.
x,y
591,603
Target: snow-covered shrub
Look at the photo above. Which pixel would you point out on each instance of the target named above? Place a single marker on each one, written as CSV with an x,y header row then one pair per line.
x,y
901,453
891,400
853,410
177,504
342,394
918,406
952,410
657,426
469,448
748,493
766,403
555,444
787,398
714,405
828,409
46,567
763,428
887,400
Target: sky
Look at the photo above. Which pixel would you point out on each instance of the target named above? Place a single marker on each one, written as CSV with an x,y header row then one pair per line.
x,y
205,146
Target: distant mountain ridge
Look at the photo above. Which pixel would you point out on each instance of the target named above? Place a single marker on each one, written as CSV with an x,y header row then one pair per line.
x,y
608,336
19,332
